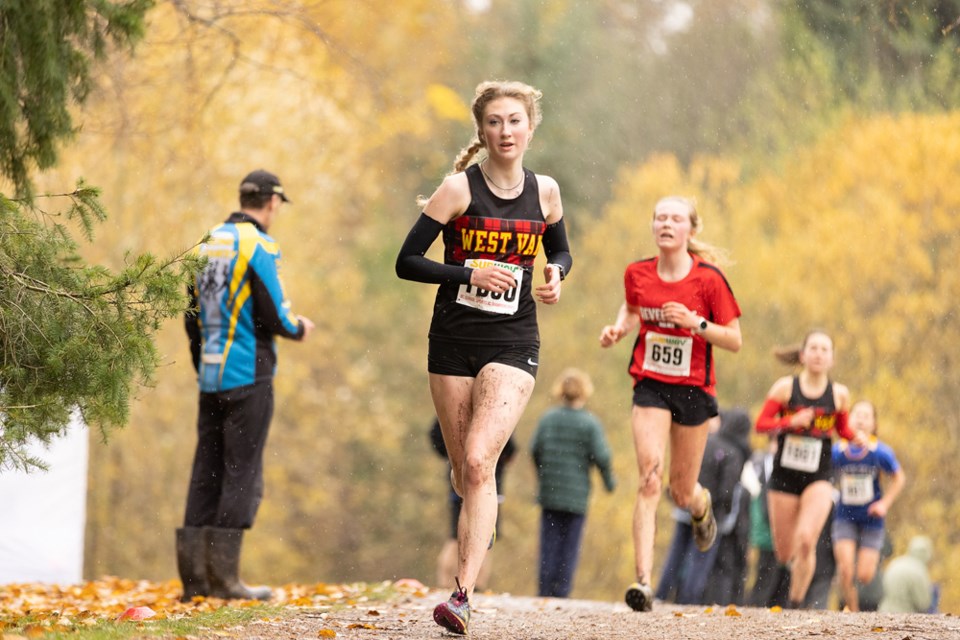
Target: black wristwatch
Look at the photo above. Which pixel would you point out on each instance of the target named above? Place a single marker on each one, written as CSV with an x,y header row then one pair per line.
x,y
702,326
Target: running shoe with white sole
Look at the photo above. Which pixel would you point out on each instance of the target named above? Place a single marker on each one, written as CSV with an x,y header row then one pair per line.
x,y
639,597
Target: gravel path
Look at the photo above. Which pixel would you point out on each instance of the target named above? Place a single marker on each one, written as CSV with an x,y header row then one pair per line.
x,y
498,617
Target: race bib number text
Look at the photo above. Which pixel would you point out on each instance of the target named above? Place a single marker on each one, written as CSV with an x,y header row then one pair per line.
x,y
668,355
856,489
801,453
505,303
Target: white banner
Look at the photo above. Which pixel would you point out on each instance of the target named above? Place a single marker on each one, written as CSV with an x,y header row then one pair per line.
x,y
43,514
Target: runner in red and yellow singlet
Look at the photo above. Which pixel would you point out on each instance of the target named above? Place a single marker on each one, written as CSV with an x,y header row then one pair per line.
x,y
803,411
484,341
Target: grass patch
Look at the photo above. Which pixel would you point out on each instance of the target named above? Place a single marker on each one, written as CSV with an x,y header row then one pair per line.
x,y
181,625
100,609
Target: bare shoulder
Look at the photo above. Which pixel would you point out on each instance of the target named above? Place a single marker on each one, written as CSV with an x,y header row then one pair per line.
x,y
841,396
547,183
550,198
781,389
450,199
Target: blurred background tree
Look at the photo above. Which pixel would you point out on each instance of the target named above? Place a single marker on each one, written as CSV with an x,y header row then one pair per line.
x,y
74,336
826,173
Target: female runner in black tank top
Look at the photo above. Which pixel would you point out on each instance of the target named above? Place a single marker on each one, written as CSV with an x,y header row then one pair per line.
x,y
804,411
804,457
483,349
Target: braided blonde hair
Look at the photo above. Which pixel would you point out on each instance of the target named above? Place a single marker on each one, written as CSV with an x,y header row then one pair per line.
x,y
486,93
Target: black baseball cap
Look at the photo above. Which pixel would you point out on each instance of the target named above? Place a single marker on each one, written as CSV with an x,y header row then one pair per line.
x,y
261,181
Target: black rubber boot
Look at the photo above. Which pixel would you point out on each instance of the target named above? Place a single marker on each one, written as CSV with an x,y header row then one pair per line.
x,y
192,562
223,566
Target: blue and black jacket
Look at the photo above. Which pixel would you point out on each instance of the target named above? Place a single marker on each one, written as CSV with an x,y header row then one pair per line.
x,y
238,307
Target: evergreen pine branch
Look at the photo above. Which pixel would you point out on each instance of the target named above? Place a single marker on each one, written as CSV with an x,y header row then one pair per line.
x,y
75,336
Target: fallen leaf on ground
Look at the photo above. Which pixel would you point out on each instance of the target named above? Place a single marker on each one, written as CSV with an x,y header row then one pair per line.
x,y
409,583
137,613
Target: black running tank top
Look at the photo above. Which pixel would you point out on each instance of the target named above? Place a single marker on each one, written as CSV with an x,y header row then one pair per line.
x,y
825,410
824,422
492,229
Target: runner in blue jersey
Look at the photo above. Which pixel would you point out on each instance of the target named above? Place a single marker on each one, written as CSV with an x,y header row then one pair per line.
x,y
858,524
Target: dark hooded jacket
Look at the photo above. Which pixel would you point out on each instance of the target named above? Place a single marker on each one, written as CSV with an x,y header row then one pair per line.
x,y
728,451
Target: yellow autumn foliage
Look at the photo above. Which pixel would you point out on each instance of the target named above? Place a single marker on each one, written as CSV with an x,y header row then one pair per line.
x,y
857,233
446,103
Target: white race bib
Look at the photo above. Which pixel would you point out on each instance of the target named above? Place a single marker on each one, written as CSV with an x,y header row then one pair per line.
x,y
856,489
506,302
801,453
668,355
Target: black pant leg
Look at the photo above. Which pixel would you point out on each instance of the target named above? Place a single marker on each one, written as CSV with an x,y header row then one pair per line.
x,y
245,427
203,495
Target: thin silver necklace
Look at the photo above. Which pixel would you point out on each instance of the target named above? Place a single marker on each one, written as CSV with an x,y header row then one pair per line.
x,y
513,188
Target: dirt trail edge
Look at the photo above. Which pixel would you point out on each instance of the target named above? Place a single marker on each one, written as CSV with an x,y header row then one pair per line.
x,y
500,616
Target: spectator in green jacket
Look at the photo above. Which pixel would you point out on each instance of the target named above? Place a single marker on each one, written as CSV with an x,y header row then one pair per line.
x,y
569,440
906,582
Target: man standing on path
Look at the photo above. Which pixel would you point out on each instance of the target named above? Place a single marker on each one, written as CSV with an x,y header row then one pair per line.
x,y
239,307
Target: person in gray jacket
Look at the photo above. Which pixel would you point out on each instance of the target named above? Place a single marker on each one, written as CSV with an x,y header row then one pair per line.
x,y
906,582
568,442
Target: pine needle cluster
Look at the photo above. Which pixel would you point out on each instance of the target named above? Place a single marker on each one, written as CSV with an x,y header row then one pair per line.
x,y
73,336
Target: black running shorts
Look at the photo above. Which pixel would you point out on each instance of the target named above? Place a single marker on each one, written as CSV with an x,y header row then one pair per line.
x,y
453,359
688,405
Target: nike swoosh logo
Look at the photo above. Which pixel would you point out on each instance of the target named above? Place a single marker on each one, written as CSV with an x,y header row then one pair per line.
x,y
532,363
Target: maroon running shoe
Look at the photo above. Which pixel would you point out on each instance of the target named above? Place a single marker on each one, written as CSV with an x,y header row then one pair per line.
x,y
454,614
